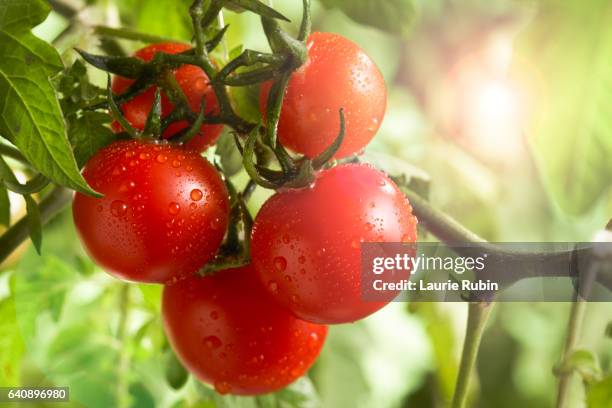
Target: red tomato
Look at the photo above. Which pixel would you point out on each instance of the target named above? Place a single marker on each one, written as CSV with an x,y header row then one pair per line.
x,y
306,243
337,74
194,83
229,333
163,215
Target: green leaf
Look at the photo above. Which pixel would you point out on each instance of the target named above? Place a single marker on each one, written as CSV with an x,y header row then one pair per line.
x,y
11,344
76,90
230,158
21,15
393,16
584,362
176,375
88,134
34,223
599,394
130,67
31,117
5,206
569,46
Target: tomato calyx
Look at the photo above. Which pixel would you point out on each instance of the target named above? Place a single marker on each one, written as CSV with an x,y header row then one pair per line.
x,y
235,250
296,172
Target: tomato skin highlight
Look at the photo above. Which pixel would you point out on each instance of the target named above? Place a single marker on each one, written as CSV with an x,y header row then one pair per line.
x,y
338,74
163,215
306,243
194,83
229,333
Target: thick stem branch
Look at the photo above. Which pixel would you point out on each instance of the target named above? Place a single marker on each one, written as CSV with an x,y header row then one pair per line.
x,y
49,207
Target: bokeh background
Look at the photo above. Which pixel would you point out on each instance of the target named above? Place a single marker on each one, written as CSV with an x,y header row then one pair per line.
x,y
501,109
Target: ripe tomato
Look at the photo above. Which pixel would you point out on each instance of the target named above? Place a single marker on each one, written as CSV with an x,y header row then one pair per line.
x,y
306,243
229,333
194,83
163,215
337,74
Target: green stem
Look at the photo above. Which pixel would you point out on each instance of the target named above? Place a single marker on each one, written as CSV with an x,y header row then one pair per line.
x,y
128,34
203,61
574,327
49,207
575,322
478,314
12,153
123,399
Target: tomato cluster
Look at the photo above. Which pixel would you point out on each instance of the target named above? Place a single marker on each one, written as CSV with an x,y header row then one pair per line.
x,y
165,211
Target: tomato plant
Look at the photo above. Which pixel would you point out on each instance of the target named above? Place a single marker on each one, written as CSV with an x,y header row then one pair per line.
x,y
306,243
231,334
163,214
194,84
337,74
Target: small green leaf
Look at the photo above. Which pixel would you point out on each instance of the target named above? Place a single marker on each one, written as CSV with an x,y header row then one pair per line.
x,y
584,362
75,89
599,394
393,16
128,67
231,160
88,134
5,206
34,223
176,375
31,117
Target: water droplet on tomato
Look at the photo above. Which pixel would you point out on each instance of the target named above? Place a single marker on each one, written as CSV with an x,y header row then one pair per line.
x,y
176,163
161,158
196,194
174,208
280,263
222,387
118,208
144,156
273,286
215,223
212,342
200,84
